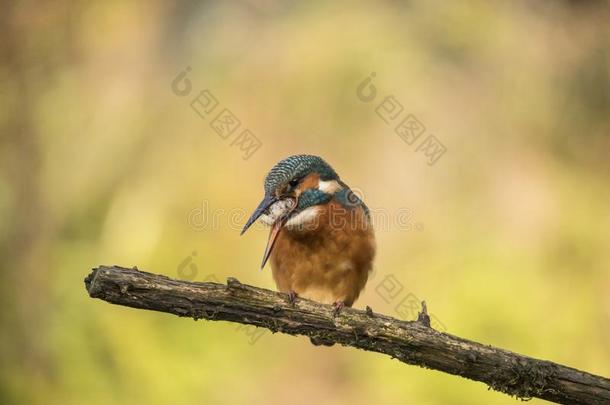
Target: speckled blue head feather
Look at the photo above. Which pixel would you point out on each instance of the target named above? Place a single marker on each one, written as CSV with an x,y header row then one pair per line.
x,y
297,166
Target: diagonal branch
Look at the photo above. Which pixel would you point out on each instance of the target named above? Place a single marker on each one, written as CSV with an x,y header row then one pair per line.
x,y
410,342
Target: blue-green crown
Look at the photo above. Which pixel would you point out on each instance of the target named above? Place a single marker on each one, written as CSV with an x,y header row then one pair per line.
x,y
297,166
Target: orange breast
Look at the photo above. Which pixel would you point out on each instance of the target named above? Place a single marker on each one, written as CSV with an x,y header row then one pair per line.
x,y
330,259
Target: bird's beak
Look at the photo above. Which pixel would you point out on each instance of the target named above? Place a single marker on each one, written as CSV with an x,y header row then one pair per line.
x,y
275,231
266,203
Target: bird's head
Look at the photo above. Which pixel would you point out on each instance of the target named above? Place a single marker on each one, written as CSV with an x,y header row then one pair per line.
x,y
292,186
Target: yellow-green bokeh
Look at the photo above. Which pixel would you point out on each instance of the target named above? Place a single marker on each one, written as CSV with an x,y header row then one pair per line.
x,y
102,163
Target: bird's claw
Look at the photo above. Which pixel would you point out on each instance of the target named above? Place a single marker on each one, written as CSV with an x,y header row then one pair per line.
x,y
338,307
292,297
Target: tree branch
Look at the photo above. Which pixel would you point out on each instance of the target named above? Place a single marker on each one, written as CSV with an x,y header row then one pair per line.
x,y
410,342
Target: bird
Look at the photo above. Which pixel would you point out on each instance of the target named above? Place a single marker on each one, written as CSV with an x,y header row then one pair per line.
x,y
321,244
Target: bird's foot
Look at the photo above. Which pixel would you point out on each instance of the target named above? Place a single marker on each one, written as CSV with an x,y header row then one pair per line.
x,y
292,297
338,307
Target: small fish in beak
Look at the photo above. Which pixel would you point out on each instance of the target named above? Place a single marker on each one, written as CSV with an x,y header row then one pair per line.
x,y
267,202
274,212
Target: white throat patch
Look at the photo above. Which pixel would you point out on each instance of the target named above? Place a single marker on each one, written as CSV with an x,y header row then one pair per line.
x,y
304,217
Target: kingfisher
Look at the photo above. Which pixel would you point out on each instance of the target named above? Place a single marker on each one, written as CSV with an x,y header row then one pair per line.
x,y
321,243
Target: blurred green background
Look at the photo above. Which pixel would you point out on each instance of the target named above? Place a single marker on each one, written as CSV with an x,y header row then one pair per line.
x,y
506,236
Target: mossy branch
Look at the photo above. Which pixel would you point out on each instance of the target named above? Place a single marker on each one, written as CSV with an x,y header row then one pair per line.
x,y
410,342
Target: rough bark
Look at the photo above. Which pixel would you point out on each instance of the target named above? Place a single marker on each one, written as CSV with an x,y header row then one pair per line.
x,y
410,342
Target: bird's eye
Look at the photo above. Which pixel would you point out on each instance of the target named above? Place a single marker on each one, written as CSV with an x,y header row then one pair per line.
x,y
293,182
